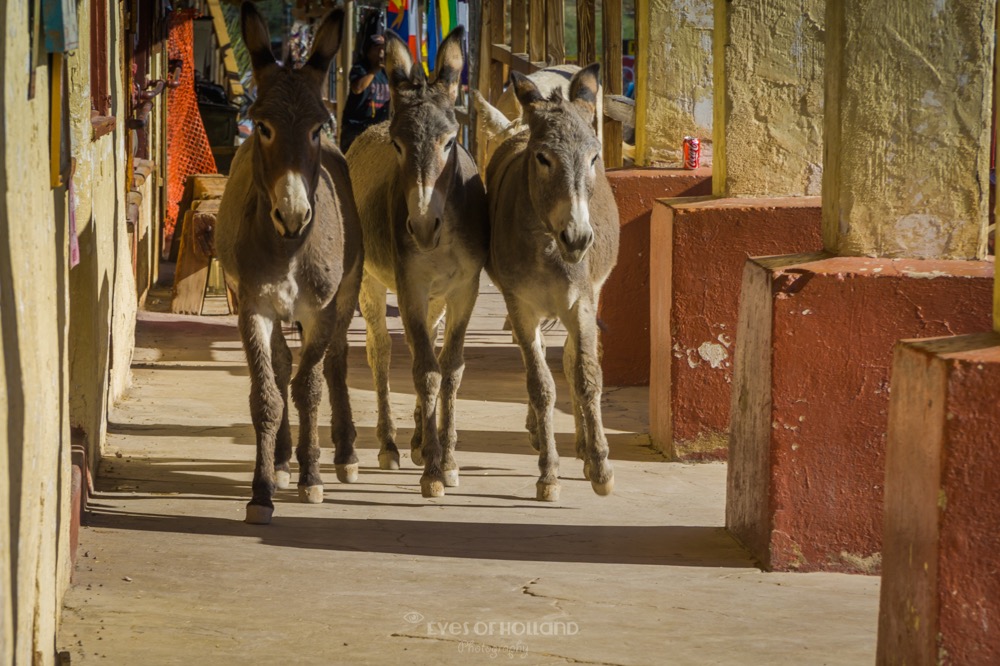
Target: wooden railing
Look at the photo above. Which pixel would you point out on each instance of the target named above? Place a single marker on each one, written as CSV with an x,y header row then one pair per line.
x,y
536,41
222,69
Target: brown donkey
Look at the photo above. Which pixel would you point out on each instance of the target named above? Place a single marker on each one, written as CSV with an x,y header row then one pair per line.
x,y
426,231
288,234
554,241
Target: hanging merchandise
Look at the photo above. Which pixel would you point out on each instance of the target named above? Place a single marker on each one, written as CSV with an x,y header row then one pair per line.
x,y
401,17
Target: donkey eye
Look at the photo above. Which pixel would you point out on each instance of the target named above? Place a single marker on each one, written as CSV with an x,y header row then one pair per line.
x,y
448,146
315,134
264,131
593,161
396,146
542,160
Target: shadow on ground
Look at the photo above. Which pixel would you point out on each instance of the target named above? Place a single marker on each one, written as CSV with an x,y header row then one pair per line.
x,y
657,545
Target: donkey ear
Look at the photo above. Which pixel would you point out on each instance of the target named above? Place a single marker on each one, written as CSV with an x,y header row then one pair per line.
x,y
584,88
326,42
525,90
256,37
398,62
450,61
488,117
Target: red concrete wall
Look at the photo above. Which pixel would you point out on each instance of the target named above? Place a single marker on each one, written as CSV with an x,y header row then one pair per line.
x,y
832,325
698,250
624,307
941,564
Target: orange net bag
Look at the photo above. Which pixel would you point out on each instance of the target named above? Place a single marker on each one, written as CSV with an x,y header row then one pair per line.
x,y
188,150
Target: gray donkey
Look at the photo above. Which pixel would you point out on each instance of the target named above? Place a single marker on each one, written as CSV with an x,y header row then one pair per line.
x,y
554,241
426,233
288,235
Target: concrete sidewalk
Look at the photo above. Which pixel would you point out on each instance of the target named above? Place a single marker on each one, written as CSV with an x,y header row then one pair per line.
x,y
169,574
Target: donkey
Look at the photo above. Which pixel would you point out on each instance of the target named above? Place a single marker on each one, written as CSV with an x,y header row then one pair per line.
x,y
426,234
289,237
496,124
550,253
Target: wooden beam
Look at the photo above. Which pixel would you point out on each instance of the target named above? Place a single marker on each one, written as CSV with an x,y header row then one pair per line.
x,y
612,76
225,49
519,62
586,32
500,53
536,30
519,26
497,30
555,47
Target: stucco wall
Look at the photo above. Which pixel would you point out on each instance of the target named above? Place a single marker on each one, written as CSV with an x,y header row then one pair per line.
x,y
769,124
56,324
33,259
674,79
102,287
908,97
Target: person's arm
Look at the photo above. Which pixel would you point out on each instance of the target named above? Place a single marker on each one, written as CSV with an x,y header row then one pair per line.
x,y
358,85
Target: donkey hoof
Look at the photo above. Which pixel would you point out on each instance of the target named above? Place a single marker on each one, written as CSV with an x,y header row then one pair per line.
x,y
603,489
417,457
347,473
431,487
547,492
282,479
586,470
311,494
451,478
388,460
259,515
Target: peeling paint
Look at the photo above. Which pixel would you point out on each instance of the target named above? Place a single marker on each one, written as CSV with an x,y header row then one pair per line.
x,y
864,564
713,353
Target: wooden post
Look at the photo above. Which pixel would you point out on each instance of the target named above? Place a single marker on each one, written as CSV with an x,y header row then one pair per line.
x,y
519,26
536,31
497,30
612,75
555,47
343,63
586,32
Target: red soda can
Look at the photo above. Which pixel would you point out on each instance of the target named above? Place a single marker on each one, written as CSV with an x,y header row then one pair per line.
x,y
692,152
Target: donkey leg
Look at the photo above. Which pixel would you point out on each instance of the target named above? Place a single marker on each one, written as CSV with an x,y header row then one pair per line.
x,y
581,324
378,344
531,421
307,391
569,370
265,408
435,309
452,361
345,459
427,384
281,364
541,398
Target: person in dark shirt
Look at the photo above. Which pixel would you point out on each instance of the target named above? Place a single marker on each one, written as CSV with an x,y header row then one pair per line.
x,y
368,103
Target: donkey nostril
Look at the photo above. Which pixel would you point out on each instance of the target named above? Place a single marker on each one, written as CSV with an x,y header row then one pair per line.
x,y
437,223
308,216
409,226
565,238
277,216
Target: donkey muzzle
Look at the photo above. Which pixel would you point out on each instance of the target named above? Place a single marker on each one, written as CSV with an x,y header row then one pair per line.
x,y
426,233
573,244
291,211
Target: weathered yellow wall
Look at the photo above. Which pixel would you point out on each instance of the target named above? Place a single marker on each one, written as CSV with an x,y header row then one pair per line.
x,y
6,594
102,287
674,78
33,259
908,96
52,317
769,97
